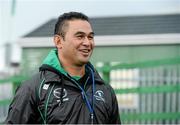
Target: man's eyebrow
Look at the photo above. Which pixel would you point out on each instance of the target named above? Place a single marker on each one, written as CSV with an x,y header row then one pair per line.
x,y
79,32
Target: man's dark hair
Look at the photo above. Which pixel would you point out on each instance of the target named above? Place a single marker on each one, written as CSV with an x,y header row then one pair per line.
x,y
62,22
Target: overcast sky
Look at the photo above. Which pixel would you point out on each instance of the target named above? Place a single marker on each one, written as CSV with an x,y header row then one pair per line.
x,y
29,14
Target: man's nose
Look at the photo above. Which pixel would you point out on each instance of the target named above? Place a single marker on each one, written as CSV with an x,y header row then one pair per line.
x,y
86,41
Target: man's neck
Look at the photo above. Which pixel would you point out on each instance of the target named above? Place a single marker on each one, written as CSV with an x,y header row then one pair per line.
x,y
74,70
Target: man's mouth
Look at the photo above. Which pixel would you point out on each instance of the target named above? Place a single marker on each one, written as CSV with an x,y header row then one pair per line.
x,y
85,50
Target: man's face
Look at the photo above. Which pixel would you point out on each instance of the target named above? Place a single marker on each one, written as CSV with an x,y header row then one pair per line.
x,y
78,42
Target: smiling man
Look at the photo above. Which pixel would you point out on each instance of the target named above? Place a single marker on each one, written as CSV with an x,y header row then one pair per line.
x,y
67,89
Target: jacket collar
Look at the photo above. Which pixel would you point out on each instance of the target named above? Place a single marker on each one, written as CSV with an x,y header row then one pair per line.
x,y
52,60
51,75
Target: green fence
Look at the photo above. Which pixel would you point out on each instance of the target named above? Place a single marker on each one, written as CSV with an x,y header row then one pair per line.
x,y
147,92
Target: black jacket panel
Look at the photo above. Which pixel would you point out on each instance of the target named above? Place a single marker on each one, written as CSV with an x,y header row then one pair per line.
x,y
38,100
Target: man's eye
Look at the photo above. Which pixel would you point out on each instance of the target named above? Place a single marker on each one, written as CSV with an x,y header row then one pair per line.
x,y
90,37
79,37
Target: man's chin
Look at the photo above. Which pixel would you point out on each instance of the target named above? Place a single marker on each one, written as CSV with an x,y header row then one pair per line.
x,y
83,61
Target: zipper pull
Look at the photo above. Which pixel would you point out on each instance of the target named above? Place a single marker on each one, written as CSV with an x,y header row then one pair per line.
x,y
92,118
83,96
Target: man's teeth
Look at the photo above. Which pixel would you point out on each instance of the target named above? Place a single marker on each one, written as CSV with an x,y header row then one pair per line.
x,y
85,51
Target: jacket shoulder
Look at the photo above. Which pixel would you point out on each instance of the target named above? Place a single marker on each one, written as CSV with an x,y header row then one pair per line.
x,y
30,85
33,81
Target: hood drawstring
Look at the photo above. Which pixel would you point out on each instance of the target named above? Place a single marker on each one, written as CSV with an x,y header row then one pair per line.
x,y
62,90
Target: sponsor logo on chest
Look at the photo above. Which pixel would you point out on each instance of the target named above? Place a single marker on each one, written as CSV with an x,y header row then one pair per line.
x,y
98,95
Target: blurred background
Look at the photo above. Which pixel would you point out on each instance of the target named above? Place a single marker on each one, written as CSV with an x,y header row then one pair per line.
x,y
137,51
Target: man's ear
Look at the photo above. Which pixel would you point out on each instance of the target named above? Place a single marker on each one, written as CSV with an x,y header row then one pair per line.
x,y
58,41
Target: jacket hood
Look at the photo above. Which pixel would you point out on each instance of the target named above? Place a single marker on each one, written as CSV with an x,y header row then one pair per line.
x,y
52,61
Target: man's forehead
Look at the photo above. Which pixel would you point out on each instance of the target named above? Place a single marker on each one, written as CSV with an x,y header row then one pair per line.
x,y
80,26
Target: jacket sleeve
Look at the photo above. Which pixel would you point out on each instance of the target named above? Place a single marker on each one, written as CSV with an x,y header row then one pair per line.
x,y
115,116
22,109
